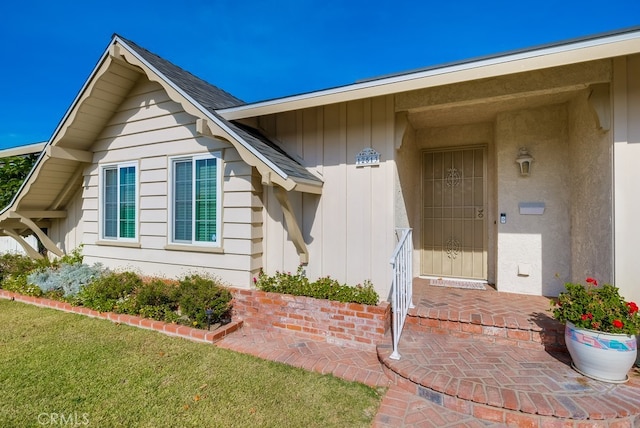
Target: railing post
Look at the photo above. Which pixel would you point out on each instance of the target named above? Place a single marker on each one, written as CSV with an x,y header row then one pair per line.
x,y
401,287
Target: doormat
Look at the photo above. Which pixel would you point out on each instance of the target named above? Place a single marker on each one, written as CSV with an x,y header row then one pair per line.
x,y
472,285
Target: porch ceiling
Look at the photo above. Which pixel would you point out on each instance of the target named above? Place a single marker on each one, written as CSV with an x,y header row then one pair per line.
x,y
482,110
481,100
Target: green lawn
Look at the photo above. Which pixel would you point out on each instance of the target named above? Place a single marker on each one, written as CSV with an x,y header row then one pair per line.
x,y
78,371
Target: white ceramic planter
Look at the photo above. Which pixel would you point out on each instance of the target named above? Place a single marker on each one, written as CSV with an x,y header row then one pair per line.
x,y
602,356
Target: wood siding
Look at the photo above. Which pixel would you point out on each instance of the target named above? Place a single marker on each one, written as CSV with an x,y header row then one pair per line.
x,y
149,128
349,228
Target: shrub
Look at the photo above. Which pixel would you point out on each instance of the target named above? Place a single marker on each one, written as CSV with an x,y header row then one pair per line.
x,y
156,293
19,284
153,299
18,265
196,294
67,279
75,257
107,292
160,313
324,288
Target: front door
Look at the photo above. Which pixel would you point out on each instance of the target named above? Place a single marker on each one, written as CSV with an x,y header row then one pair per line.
x,y
454,208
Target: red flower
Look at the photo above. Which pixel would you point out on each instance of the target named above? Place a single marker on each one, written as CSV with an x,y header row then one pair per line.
x,y
617,324
592,281
587,316
633,308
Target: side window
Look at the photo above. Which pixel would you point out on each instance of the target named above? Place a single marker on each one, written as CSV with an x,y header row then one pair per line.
x,y
196,200
119,202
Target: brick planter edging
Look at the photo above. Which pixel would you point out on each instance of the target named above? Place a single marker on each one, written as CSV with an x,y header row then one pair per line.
x,y
348,324
169,329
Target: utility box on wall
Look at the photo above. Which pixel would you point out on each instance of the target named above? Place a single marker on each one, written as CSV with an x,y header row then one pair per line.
x,y
531,208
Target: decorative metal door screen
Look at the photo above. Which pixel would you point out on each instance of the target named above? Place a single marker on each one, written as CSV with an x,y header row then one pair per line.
x,y
454,208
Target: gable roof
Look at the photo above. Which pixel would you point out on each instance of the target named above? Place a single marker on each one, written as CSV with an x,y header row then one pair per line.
x,y
209,99
207,95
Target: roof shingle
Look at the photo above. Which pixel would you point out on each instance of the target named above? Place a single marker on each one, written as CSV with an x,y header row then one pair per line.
x,y
212,98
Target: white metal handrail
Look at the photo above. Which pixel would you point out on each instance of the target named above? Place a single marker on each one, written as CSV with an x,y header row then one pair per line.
x,y
402,286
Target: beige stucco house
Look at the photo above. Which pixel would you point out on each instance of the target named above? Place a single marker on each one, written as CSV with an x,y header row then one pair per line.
x,y
154,169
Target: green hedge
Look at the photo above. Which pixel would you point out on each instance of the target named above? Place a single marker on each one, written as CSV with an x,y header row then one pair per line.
x,y
324,288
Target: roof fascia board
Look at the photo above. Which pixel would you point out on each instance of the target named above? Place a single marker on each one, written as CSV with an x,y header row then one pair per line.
x,y
535,59
22,150
203,111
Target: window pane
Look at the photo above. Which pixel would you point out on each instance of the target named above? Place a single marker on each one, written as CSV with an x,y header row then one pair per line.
x,y
182,201
128,202
110,192
205,204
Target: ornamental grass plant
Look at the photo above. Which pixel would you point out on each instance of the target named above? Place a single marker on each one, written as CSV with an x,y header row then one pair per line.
x,y
597,307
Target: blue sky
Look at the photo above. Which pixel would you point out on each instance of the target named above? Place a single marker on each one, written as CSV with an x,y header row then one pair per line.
x,y
259,50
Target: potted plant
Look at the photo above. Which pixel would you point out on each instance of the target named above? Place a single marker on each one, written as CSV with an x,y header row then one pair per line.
x,y
600,329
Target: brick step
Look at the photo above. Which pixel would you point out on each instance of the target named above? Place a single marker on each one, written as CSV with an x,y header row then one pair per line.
x,y
540,331
503,382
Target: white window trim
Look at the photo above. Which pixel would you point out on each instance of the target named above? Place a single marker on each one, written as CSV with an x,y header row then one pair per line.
x,y
101,201
176,245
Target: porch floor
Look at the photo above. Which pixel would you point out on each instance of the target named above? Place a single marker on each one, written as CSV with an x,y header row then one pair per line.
x,y
500,357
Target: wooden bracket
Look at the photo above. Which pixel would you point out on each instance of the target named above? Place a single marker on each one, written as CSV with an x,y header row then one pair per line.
x,y
46,241
31,252
292,224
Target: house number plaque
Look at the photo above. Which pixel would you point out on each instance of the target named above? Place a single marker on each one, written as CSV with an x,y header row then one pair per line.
x,y
367,157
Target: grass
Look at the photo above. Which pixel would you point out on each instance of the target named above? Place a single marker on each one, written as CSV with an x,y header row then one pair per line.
x,y
96,373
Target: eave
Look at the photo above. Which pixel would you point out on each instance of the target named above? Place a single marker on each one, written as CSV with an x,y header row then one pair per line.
x,y
625,42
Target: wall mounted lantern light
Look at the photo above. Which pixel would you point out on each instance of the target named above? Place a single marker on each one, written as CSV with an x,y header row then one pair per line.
x,y
524,159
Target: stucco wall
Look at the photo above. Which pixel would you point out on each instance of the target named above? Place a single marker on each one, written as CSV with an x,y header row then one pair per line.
x,y
534,251
626,137
407,184
590,157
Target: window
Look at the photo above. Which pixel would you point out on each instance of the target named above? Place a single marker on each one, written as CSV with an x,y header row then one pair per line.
x,y
196,200
119,202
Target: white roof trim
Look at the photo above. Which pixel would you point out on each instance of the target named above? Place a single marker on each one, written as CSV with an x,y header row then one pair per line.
x,y
206,112
23,150
626,41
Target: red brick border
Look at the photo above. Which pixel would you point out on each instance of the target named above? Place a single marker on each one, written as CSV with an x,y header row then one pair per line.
x,y
349,324
194,334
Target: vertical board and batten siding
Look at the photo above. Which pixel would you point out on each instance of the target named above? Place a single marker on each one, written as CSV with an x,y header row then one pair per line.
x,y
8,245
149,128
626,174
349,228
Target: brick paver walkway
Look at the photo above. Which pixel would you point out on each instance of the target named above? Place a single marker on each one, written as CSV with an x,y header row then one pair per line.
x,y
309,354
399,408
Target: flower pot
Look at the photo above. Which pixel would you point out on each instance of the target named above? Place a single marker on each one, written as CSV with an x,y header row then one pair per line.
x,y
602,356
